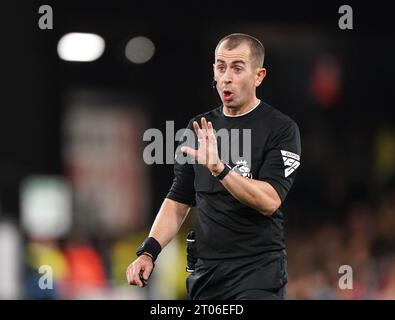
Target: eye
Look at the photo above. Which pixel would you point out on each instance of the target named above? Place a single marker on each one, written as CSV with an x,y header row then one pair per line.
x,y
221,68
238,69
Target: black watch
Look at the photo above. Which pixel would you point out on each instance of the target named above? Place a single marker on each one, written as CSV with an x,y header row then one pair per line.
x,y
151,246
224,172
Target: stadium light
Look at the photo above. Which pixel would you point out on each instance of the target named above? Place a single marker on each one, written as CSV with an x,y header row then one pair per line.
x,y
139,50
82,47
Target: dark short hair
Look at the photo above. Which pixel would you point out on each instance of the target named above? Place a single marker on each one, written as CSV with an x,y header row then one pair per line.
x,y
257,50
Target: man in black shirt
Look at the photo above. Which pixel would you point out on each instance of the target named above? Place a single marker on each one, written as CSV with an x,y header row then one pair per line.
x,y
239,242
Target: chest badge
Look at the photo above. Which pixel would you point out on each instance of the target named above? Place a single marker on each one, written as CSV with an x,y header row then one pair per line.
x,y
242,169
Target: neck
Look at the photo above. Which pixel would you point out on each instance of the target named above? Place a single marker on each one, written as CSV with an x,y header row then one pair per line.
x,y
245,108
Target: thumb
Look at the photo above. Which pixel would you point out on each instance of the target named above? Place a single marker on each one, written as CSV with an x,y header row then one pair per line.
x,y
189,151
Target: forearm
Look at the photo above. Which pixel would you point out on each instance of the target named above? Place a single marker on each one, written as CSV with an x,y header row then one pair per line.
x,y
254,193
257,194
168,221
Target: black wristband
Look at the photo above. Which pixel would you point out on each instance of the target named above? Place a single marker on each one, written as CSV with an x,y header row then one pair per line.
x,y
151,246
224,172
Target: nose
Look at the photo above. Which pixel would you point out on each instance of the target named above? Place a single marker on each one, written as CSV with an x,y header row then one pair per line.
x,y
227,77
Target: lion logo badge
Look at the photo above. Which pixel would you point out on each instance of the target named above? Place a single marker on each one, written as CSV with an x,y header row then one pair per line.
x,y
242,169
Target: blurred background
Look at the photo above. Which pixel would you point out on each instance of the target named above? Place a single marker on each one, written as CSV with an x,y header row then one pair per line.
x,y
76,197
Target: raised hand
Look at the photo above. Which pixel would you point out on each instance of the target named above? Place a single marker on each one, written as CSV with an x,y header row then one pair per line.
x,y
207,152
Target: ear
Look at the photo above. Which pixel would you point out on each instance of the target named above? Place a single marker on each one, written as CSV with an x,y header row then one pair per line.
x,y
214,70
260,75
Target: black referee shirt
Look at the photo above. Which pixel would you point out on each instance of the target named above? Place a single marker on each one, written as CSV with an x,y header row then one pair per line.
x,y
225,227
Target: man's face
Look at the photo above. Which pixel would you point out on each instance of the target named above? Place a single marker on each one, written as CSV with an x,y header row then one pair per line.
x,y
236,75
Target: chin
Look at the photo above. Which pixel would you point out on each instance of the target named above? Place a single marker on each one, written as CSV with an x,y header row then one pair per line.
x,y
229,104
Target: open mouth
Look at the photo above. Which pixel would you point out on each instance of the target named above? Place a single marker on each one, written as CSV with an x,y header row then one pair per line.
x,y
227,95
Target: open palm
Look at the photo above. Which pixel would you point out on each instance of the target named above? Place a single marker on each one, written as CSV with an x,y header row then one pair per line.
x,y
207,152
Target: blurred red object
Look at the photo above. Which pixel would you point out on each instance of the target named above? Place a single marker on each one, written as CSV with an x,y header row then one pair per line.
x,y
326,81
86,271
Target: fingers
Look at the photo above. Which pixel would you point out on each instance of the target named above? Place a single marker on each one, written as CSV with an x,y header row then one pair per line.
x,y
197,129
190,151
146,273
206,130
204,124
129,275
210,130
207,143
136,277
133,272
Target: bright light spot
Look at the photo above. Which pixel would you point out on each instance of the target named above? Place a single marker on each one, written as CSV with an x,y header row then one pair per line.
x,y
80,47
139,50
46,206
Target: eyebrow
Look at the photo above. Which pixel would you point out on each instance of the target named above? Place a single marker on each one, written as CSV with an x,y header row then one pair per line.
x,y
233,62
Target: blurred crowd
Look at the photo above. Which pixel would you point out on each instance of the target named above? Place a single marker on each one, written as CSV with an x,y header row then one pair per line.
x,y
81,267
363,238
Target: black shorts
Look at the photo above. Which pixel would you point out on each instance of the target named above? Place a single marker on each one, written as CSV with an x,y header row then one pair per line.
x,y
249,278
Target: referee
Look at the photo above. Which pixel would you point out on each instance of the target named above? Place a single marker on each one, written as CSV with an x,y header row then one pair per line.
x,y
239,244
